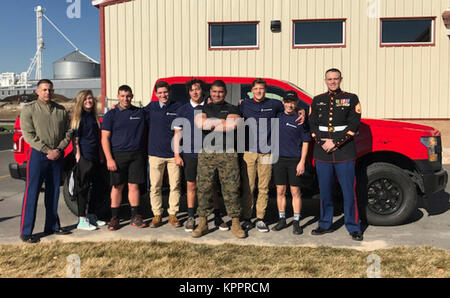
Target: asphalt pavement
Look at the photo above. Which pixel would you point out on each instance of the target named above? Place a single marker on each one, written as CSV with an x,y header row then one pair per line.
x,y
430,225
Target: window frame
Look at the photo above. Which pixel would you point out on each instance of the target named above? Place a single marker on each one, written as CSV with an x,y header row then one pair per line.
x,y
312,46
409,44
215,48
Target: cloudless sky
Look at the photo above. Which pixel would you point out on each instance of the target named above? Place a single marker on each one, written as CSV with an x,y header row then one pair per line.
x,y
18,33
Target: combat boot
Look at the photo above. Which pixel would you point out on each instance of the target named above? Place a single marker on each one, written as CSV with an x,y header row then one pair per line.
x,y
236,228
202,228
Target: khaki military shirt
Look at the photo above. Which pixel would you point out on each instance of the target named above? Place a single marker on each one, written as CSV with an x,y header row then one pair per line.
x,y
45,126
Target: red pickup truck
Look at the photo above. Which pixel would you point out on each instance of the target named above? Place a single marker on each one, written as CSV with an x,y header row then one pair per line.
x,y
397,162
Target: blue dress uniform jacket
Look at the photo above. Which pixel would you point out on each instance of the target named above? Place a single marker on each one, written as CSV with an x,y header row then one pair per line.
x,y
336,116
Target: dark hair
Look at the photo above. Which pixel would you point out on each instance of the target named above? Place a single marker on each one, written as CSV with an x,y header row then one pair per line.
x,y
162,84
125,88
259,81
290,96
334,70
192,82
44,81
219,83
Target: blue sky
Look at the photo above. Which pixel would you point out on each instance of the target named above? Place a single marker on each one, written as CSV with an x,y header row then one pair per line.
x,y
18,33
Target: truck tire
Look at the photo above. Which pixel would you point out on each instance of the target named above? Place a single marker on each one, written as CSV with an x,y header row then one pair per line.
x,y
103,210
69,199
391,195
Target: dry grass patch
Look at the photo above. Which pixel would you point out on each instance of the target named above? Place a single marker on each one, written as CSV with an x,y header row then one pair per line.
x,y
182,259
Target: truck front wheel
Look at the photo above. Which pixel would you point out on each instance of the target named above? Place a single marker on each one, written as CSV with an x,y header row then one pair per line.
x,y
102,191
391,195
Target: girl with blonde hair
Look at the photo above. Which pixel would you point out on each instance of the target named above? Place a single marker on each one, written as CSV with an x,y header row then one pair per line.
x,y
86,141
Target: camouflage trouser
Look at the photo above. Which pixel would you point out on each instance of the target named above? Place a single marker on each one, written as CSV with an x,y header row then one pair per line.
x,y
227,165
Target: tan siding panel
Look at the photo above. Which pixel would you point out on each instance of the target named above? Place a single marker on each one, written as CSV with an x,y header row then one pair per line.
x,y
148,39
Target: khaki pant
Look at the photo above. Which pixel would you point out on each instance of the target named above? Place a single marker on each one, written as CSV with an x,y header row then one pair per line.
x,y
255,164
157,168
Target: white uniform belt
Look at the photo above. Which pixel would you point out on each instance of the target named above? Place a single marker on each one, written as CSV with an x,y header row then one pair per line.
x,y
335,128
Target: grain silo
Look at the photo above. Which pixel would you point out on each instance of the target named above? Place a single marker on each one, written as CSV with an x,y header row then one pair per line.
x,y
76,65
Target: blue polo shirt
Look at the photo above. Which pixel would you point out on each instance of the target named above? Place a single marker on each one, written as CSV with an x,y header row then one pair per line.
x,y
292,135
89,136
186,114
260,111
160,133
126,127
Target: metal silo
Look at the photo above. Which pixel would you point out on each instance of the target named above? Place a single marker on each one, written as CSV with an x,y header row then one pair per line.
x,y
76,65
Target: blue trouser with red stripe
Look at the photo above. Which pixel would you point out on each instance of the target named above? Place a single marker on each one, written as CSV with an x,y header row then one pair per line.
x,y
39,170
345,172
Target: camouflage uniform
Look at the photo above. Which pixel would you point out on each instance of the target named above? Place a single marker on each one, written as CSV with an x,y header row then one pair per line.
x,y
228,168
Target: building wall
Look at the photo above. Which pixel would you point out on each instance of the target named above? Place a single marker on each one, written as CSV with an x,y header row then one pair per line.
x,y
149,39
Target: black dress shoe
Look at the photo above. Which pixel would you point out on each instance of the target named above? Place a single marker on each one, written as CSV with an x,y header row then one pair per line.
x,y
320,231
357,236
57,232
29,239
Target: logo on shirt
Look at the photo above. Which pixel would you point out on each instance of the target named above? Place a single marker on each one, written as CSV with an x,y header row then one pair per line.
x,y
290,125
266,110
170,114
135,118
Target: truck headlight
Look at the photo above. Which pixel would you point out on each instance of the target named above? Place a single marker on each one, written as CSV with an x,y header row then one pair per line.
x,y
431,143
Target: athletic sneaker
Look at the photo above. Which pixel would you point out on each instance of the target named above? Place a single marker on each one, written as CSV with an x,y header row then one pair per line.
x,y
262,226
247,224
189,226
84,224
93,220
137,221
218,222
113,224
297,229
281,224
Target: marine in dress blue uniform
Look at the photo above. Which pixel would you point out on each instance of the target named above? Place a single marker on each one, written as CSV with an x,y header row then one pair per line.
x,y
334,119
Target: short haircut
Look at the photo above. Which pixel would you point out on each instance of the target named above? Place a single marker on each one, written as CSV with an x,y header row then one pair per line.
x,y
125,88
219,83
44,81
290,96
259,81
192,82
334,70
162,84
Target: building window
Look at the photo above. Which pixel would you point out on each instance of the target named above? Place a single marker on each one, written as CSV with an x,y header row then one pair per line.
x,y
407,31
237,35
319,33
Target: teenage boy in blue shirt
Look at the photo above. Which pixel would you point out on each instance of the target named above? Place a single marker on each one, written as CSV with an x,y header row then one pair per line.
x,y
188,156
293,148
257,160
160,116
122,142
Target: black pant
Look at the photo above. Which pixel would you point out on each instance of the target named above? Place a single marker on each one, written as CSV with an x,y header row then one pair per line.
x,y
89,195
